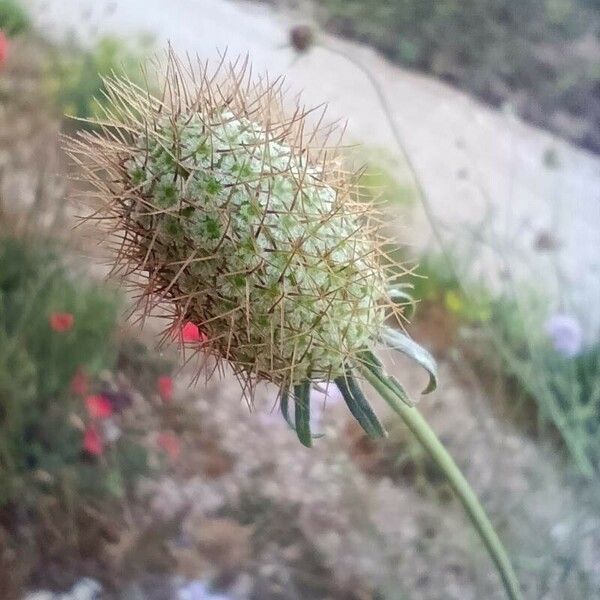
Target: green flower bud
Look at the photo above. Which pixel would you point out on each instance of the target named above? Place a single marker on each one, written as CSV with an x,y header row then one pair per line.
x,y
239,225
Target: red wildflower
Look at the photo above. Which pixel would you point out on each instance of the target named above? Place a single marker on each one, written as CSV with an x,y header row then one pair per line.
x,y
79,383
165,388
191,334
61,322
170,444
3,48
92,441
98,407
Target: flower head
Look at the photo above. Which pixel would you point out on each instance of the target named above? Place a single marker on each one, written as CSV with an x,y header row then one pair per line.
x,y
565,333
242,223
241,226
4,46
98,407
92,441
61,321
165,387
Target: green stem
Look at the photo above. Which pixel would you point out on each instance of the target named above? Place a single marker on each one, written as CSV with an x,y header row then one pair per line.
x,y
426,436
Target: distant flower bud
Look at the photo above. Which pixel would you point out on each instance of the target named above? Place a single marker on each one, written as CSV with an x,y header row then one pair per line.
x,y
92,441
61,321
98,407
165,388
545,241
302,38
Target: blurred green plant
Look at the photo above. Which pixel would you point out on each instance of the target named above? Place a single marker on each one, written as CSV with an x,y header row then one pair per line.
x,y
436,283
379,180
410,30
13,18
566,389
53,325
74,75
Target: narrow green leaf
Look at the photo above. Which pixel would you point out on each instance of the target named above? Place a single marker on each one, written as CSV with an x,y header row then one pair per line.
x,y
284,407
359,406
398,341
395,385
370,361
369,358
302,412
284,401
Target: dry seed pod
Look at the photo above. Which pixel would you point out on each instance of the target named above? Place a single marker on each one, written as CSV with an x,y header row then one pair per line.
x,y
241,220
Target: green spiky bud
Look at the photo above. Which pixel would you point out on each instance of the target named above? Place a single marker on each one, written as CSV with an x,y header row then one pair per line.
x,y
277,267
240,224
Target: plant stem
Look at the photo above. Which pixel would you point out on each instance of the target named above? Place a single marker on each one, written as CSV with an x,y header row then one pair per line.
x,y
426,436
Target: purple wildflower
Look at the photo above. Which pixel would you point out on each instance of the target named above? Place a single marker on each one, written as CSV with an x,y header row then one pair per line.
x,y
565,333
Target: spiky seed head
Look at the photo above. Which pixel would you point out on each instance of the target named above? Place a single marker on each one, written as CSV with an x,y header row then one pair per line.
x,y
240,220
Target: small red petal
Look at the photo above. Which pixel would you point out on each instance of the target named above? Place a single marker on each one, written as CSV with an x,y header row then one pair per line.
x,y
61,322
191,334
92,441
170,444
4,46
80,383
98,407
165,388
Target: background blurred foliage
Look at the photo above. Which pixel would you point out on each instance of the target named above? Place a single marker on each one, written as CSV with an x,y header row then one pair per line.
x,y
508,333
38,434
382,178
566,390
13,18
74,75
540,55
435,282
